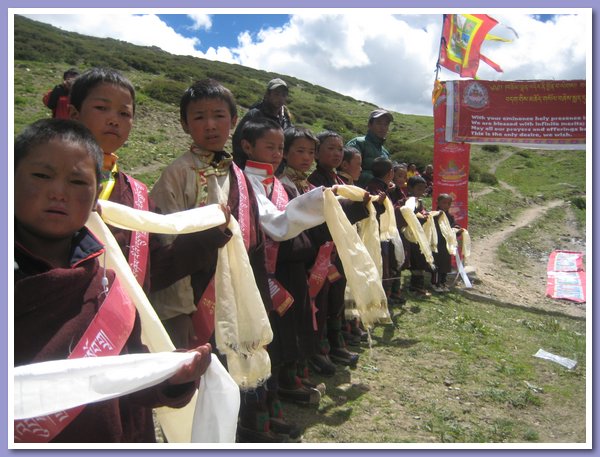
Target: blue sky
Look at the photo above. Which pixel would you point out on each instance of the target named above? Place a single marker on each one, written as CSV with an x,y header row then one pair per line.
x,y
382,56
225,27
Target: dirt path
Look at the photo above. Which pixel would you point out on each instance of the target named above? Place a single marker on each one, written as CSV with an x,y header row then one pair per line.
x,y
498,282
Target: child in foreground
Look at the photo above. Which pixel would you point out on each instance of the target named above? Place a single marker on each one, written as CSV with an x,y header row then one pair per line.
x,y
441,258
60,287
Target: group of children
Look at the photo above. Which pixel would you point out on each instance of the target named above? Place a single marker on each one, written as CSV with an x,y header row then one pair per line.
x,y
62,168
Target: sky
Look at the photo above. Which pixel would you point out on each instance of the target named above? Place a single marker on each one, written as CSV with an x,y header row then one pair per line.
x,y
385,57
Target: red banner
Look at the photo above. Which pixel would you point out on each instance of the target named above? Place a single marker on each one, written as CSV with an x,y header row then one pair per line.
x,y
535,114
450,166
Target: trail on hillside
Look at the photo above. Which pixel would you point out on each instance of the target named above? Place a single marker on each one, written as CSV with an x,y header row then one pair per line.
x,y
497,280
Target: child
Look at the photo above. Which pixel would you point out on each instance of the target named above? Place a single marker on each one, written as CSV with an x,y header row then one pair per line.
x,y
330,301
418,264
398,195
263,142
104,101
206,174
383,172
350,168
59,286
428,176
442,259
412,170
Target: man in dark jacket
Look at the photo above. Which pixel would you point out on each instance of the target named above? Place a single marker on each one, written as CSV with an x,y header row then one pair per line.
x,y
371,145
272,106
57,99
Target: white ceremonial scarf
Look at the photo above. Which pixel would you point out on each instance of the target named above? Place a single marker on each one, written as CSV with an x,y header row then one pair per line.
x,y
46,388
414,230
360,270
301,213
236,292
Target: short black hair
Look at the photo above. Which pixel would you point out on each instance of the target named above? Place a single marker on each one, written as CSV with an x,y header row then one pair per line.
x,y
70,72
349,153
414,180
381,166
206,88
252,131
444,197
45,130
93,77
292,133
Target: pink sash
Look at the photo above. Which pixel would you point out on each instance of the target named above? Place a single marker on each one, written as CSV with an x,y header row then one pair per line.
x,y
106,335
280,297
319,272
139,244
204,317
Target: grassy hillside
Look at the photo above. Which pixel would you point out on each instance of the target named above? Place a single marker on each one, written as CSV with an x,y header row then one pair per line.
x,y
43,52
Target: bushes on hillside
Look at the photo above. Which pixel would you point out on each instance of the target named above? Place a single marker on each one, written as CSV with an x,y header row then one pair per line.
x,y
165,90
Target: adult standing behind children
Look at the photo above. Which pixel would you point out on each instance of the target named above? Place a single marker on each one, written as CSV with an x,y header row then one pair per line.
x,y
272,106
57,99
371,145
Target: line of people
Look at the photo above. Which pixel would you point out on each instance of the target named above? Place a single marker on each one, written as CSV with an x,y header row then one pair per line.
x,y
272,184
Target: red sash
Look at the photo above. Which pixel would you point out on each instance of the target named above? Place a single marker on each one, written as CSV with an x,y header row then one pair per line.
x,y
204,317
139,244
106,335
320,271
280,297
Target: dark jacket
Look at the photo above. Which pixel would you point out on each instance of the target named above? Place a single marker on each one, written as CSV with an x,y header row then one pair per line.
x,y
53,308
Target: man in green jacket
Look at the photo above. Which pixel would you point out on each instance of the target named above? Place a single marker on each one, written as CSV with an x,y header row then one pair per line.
x,y
371,145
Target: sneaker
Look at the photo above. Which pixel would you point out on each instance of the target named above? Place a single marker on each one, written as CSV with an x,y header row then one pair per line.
x,y
343,356
437,288
301,395
322,364
445,287
362,334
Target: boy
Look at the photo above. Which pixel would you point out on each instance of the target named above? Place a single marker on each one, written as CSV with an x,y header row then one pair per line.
x,y
330,301
202,175
104,101
442,259
418,263
350,168
60,285
383,173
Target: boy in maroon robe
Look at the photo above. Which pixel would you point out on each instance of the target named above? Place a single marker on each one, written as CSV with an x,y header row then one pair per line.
x,y
60,286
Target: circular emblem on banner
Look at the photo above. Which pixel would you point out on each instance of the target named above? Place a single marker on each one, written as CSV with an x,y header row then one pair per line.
x,y
475,96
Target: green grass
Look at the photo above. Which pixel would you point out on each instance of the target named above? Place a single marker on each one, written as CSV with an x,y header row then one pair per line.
x,y
456,371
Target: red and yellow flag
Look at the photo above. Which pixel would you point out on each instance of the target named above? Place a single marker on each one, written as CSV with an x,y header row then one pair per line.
x,y
462,37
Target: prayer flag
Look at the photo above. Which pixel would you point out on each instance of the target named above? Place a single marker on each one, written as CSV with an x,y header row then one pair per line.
x,y
462,37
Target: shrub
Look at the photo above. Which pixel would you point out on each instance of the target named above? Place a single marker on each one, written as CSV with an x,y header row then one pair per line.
x,y
491,148
165,90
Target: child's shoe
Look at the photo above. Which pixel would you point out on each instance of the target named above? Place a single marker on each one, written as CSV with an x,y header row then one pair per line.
x,y
343,356
322,364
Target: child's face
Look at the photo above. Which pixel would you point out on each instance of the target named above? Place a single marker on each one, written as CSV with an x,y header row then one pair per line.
x,y
353,167
419,189
267,149
445,204
108,112
55,190
331,153
301,154
209,123
400,177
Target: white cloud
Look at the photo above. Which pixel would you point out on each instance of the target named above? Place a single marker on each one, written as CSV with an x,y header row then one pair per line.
x,y
201,21
143,30
385,59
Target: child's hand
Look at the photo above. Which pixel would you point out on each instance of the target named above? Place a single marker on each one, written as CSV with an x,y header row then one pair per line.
x,y
227,211
366,198
334,189
193,370
381,197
